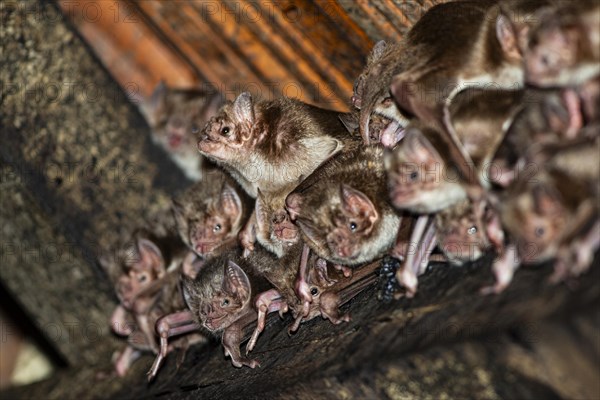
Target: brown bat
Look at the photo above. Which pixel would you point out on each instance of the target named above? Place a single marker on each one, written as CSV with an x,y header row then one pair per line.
x,y
548,211
271,144
458,234
423,178
221,301
171,303
211,213
327,285
342,208
270,223
173,116
147,289
422,175
289,272
458,45
564,46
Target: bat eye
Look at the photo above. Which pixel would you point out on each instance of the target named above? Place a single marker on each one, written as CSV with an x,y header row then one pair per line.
x,y
225,303
414,175
352,226
217,228
314,291
539,232
142,278
195,129
472,230
225,131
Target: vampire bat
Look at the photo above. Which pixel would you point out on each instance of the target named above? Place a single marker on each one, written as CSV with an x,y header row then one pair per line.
x,y
546,212
221,300
274,229
211,213
288,271
173,116
328,287
423,177
458,45
563,48
342,209
271,144
458,234
146,283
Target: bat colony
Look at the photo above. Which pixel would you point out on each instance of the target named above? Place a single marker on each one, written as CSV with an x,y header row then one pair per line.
x,y
479,132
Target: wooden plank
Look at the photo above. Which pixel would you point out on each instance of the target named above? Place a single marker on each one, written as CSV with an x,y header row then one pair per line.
x,y
137,57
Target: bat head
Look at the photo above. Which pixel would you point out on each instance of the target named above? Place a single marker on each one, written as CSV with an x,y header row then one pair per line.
x,y
210,222
228,135
535,218
175,117
339,226
218,296
145,265
414,169
275,230
559,52
458,234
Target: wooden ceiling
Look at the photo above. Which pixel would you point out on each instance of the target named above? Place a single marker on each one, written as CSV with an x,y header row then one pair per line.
x,y
309,49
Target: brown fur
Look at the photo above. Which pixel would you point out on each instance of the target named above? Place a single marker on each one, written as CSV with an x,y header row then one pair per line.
x,y
564,47
458,235
211,213
326,224
271,144
274,229
221,300
173,116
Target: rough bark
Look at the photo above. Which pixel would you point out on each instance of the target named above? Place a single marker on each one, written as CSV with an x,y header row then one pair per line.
x,y
78,174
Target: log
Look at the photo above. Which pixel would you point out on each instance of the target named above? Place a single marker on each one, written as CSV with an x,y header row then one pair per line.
x,y
78,175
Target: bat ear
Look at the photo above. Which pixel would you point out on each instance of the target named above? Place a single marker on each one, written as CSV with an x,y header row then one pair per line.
x,y
377,51
243,109
213,105
357,203
259,209
230,200
106,262
508,36
236,282
155,104
419,147
150,255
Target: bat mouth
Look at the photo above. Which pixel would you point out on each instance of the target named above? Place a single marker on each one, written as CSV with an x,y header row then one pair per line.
x,y
399,196
205,247
214,323
174,140
287,233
